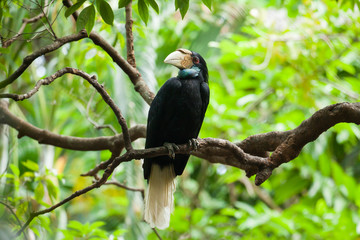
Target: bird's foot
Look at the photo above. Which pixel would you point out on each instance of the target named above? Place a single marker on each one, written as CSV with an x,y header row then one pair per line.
x,y
171,148
194,144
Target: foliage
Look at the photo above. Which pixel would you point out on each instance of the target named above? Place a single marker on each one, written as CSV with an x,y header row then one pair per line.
x,y
271,65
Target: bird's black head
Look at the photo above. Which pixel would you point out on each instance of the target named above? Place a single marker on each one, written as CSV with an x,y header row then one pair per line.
x,y
186,59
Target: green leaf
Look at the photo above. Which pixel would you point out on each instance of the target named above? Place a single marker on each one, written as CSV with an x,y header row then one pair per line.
x,y
91,20
154,5
73,8
183,6
76,225
106,12
39,191
143,10
15,170
86,19
207,3
123,3
4,50
52,189
97,224
31,165
3,68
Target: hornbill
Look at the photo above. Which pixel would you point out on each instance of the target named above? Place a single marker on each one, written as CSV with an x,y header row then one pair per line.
x,y
175,117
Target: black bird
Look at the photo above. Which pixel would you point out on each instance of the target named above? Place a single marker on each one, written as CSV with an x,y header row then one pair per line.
x,y
175,117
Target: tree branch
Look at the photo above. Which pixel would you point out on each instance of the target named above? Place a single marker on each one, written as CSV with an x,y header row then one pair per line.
x,y
97,184
134,75
116,183
114,143
92,80
49,48
225,152
308,131
129,35
244,155
67,3
96,125
26,21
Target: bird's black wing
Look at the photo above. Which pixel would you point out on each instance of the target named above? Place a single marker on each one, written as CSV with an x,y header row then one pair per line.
x,y
205,96
161,110
181,159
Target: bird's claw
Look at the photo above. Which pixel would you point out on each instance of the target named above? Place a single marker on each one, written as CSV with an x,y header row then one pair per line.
x,y
194,144
171,147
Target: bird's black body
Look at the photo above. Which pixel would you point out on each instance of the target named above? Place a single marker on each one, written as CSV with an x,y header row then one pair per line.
x,y
176,114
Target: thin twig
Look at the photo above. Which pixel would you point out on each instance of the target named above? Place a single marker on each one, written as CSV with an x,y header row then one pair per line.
x,y
256,190
101,166
25,21
49,48
118,184
96,125
51,30
157,234
97,184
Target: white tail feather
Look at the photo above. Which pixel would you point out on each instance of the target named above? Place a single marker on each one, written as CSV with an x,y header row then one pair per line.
x,y
159,199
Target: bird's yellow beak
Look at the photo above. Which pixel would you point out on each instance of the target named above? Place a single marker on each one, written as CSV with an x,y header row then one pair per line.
x,y
181,59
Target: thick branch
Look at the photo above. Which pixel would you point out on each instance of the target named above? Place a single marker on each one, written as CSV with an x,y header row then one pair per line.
x,y
287,145
225,152
309,130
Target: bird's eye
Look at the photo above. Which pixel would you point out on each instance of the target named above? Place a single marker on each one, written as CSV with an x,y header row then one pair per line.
x,y
196,60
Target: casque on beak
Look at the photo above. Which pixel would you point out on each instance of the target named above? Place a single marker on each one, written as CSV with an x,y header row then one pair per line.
x,y
181,59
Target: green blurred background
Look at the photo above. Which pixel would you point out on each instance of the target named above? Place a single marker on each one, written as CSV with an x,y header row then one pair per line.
x,y
272,64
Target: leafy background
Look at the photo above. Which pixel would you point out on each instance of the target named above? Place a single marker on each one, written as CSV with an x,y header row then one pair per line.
x,y
272,64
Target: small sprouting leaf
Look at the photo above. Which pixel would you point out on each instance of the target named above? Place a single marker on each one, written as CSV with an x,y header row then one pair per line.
x,y
154,5
31,165
183,6
106,12
123,3
73,8
207,3
86,15
143,10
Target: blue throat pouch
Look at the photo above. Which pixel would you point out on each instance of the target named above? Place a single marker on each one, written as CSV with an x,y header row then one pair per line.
x,y
189,73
